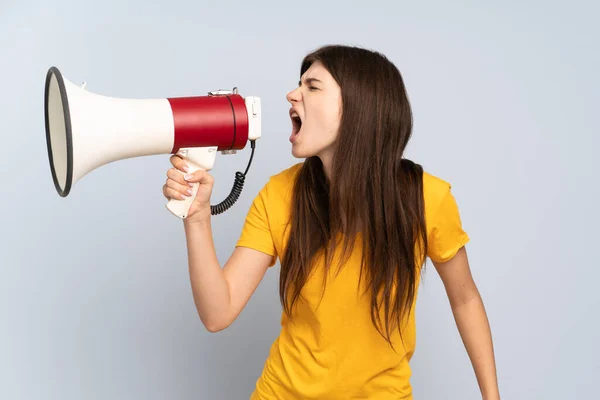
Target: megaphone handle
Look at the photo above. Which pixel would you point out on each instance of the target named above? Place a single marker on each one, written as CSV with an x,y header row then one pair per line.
x,y
196,158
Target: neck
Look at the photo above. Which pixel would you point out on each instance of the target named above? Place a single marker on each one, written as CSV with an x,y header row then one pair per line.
x,y
327,160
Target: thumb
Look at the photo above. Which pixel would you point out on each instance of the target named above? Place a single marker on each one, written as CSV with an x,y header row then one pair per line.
x,y
195,176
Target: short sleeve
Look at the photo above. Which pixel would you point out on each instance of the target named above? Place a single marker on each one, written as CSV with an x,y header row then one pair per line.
x,y
446,234
256,232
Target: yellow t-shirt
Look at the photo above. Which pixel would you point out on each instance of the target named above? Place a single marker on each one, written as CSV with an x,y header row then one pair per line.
x,y
329,348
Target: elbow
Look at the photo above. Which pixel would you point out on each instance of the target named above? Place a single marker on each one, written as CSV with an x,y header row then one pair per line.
x,y
214,326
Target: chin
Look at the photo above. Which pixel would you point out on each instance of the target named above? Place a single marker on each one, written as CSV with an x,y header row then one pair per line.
x,y
298,152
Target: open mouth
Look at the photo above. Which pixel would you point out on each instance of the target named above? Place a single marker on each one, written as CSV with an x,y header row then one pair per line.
x,y
296,125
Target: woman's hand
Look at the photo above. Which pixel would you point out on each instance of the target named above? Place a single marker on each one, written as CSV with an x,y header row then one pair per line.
x,y
179,187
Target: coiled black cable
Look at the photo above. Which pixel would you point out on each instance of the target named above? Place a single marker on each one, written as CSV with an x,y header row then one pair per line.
x,y
236,190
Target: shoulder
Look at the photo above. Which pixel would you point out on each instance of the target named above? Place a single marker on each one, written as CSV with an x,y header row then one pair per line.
x,y
434,188
442,217
279,186
287,176
437,192
283,181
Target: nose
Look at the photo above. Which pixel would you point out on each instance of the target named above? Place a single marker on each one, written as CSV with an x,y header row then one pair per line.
x,y
294,96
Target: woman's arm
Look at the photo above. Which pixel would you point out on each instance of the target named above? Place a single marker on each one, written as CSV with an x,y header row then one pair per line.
x,y
220,294
471,320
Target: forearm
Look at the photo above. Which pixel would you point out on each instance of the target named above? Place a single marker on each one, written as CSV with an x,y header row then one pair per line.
x,y
209,286
474,329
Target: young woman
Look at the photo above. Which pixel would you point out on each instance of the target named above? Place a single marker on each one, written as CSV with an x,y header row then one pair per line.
x,y
352,226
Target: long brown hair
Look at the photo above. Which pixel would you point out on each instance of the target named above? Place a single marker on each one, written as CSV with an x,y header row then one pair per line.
x,y
373,190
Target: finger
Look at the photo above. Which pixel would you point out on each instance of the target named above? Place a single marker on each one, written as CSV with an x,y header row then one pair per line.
x,y
171,193
196,176
182,189
179,163
200,176
177,176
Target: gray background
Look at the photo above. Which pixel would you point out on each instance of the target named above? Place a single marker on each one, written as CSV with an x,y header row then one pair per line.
x,y
94,290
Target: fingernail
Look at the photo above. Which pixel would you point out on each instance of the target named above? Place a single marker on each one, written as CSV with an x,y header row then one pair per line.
x,y
187,177
186,168
190,192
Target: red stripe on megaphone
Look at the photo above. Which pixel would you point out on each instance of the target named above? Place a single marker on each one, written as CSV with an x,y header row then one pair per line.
x,y
205,121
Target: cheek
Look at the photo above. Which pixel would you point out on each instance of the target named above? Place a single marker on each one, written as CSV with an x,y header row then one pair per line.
x,y
334,115
333,126
328,120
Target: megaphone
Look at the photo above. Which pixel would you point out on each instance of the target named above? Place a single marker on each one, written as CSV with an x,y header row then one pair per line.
x,y
85,131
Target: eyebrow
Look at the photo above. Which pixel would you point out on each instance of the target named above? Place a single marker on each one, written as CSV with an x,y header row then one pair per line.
x,y
309,81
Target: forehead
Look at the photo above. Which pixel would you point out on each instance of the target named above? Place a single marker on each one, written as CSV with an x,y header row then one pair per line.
x,y
317,71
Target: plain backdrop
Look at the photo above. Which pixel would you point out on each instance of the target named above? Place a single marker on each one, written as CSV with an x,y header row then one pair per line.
x,y
95,300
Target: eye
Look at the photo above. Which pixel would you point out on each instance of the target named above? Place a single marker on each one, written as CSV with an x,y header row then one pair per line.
x,y
312,88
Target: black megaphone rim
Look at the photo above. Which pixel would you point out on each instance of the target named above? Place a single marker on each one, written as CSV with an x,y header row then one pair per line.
x,y
53,71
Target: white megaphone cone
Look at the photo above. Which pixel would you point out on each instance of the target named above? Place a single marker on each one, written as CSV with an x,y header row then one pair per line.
x,y
85,131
